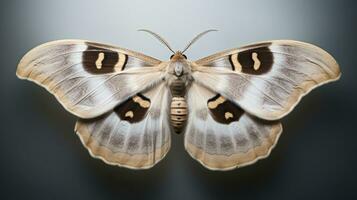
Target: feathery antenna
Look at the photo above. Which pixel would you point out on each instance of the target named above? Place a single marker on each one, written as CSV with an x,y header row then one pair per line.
x,y
196,38
163,41
157,36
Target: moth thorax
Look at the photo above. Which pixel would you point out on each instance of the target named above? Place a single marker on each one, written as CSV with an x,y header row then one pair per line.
x,y
178,88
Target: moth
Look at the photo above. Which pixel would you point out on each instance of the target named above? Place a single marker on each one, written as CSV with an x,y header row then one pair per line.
x,y
227,105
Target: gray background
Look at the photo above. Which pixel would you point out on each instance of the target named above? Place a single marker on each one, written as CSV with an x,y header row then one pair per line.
x,y
42,158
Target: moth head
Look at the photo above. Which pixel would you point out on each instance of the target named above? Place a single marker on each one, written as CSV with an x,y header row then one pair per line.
x,y
178,66
178,55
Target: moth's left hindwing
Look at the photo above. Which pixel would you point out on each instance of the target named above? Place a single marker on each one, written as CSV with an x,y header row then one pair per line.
x,y
89,78
119,96
136,134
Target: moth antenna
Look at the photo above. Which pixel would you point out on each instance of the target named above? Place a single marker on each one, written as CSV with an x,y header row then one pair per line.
x,y
197,37
157,36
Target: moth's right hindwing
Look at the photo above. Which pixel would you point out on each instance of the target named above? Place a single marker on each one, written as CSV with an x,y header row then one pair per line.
x,y
89,78
221,135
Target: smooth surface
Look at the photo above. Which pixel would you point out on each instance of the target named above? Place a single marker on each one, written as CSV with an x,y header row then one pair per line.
x,y
42,158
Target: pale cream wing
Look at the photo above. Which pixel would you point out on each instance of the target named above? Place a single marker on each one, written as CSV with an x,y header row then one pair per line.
x,y
267,79
136,134
221,136
89,78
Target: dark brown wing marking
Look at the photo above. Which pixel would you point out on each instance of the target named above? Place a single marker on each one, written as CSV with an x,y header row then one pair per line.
x,y
134,109
257,60
98,60
223,110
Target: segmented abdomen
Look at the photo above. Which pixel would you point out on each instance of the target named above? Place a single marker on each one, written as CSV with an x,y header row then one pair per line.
x,y
178,113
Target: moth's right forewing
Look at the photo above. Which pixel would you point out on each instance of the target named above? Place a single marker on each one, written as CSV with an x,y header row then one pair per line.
x,y
267,79
89,78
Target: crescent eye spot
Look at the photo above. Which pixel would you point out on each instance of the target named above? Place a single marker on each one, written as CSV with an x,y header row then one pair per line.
x,y
98,60
223,110
255,60
134,109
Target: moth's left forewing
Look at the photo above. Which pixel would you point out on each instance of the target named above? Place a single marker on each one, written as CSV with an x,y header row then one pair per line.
x,y
267,79
89,78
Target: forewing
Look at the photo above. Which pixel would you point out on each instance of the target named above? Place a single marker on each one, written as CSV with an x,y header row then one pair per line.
x,y
221,136
89,78
136,134
267,79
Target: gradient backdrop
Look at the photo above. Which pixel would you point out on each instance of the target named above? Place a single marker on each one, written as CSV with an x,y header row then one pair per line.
x,y
42,158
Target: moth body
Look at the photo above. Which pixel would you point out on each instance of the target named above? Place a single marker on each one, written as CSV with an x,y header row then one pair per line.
x,y
178,112
178,108
178,80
